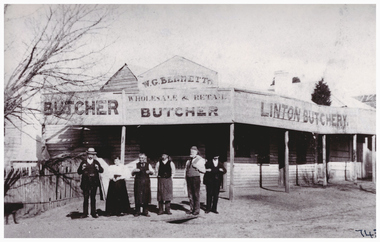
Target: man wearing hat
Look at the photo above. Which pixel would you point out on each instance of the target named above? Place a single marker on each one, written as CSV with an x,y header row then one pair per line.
x,y
194,167
90,169
212,180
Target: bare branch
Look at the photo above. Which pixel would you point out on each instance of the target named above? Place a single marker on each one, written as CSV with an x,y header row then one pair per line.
x,y
57,57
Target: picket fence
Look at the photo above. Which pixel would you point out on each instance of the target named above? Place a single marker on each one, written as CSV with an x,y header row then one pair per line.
x,y
41,191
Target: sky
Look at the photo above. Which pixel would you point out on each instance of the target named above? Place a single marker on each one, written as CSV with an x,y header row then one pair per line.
x,y
246,43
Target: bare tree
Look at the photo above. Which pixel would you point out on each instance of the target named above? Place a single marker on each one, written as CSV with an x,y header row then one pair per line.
x,y
60,55
58,58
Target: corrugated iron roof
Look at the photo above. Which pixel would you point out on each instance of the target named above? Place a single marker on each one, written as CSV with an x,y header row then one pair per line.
x,y
367,99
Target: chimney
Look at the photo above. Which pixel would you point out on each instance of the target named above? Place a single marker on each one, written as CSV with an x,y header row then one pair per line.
x,y
282,82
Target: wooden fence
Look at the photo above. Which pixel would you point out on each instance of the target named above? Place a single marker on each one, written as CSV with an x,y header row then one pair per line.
x,y
41,191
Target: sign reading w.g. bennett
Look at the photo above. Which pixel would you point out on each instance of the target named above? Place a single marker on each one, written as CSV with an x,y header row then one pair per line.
x,y
178,73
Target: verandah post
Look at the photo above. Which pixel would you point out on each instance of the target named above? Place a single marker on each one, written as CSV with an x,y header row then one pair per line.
x,y
232,157
286,176
122,144
373,159
315,175
324,160
354,156
364,160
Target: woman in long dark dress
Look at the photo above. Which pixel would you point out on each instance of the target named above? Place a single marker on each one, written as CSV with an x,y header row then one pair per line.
x,y
117,202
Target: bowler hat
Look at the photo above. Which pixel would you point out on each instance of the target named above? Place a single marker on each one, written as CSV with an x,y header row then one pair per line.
x,y
91,151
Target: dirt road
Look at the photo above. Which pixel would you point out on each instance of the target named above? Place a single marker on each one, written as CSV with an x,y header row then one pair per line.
x,y
338,211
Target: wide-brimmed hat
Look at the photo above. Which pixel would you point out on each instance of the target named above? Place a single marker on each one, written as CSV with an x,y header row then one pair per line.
x,y
91,151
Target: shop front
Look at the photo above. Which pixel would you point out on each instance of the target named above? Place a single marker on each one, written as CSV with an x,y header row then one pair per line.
x,y
263,138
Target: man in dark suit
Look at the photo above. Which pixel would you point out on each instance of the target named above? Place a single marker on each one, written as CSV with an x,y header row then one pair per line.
x,y
141,187
213,179
90,169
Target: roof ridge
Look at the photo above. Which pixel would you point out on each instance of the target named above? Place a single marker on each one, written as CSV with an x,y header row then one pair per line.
x,y
177,56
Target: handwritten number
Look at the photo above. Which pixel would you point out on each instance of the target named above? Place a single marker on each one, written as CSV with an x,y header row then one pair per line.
x,y
360,232
369,234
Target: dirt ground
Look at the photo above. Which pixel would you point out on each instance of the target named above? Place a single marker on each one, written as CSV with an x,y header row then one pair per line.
x,y
338,211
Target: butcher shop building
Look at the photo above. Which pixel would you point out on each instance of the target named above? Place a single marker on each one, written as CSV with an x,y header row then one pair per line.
x,y
264,139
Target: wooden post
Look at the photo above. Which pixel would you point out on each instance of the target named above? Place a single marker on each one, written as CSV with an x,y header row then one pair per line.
x,y
286,176
261,175
324,160
354,156
232,157
364,160
41,179
373,159
315,177
224,178
122,144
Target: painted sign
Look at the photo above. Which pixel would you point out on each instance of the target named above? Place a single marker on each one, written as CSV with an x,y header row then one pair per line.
x,y
275,111
297,114
178,73
94,107
179,106
179,79
158,107
82,108
212,105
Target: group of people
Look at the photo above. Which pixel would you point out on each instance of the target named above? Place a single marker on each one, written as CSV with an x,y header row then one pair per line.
x,y
117,201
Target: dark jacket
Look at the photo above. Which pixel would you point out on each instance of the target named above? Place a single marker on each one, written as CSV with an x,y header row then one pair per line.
x,y
214,176
90,175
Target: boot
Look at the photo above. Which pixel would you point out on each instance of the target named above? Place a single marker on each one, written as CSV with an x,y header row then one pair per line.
x,y
137,211
145,210
167,208
160,208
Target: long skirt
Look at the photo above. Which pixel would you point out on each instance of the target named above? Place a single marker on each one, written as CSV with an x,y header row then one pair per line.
x,y
117,198
165,189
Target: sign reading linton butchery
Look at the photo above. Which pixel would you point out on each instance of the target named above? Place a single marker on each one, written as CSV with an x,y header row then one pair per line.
x,y
296,114
275,111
